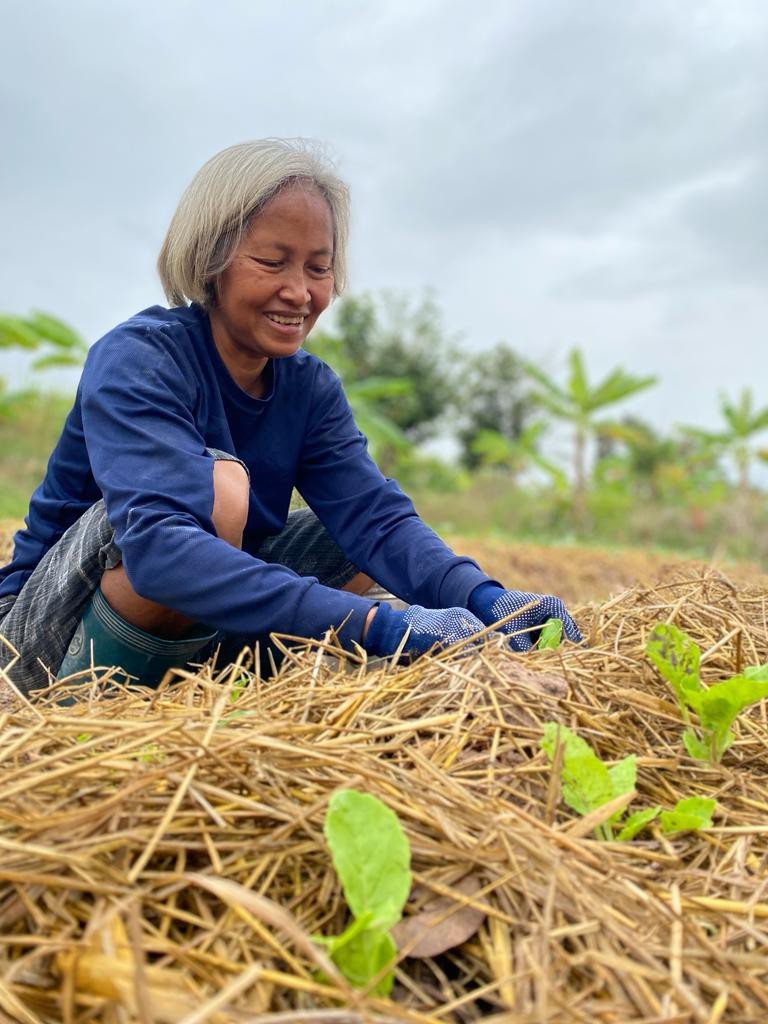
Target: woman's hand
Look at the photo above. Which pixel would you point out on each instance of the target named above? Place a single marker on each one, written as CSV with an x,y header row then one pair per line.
x,y
490,603
425,628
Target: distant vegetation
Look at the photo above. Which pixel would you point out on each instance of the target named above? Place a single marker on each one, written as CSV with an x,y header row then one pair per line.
x,y
409,382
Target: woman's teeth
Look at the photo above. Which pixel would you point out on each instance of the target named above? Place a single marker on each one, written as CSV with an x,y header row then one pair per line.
x,y
295,320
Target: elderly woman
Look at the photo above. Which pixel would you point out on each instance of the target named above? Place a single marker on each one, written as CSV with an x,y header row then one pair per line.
x,y
163,526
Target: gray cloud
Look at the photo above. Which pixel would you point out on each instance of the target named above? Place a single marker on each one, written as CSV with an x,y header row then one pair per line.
x,y
565,172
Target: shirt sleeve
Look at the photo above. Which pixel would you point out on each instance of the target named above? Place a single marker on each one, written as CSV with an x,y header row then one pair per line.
x,y
369,517
151,465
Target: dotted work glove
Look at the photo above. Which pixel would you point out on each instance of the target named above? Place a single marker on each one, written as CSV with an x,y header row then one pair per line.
x,y
428,628
490,602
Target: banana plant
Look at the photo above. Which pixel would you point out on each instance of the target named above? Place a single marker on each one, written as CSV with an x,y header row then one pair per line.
x,y
57,342
578,402
742,423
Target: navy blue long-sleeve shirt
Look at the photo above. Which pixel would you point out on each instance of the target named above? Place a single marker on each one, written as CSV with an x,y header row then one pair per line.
x,y
154,394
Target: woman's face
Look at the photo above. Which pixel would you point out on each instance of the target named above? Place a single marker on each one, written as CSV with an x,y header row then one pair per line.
x,y
279,282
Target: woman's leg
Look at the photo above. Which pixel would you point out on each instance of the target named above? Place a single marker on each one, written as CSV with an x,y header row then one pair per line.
x,y
230,511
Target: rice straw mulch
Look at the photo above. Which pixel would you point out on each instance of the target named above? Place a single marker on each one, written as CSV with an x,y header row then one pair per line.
x,y
162,856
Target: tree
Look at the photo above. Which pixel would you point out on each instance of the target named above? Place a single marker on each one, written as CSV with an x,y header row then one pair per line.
x,y
496,451
57,342
578,402
743,423
492,399
390,338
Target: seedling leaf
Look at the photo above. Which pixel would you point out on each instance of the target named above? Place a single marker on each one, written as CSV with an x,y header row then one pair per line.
x,y
718,706
371,855
677,658
551,634
636,822
697,748
623,775
364,956
688,815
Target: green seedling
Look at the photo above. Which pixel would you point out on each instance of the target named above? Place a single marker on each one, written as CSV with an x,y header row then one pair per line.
x,y
372,856
587,783
677,659
237,689
83,737
688,815
551,634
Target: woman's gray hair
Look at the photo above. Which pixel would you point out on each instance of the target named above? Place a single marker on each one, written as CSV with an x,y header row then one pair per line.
x,y
225,194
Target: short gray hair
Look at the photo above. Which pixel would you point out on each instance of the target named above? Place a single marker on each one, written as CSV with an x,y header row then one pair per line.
x,y
225,194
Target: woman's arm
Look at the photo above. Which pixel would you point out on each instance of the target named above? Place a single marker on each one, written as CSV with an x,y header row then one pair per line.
x,y
369,517
150,462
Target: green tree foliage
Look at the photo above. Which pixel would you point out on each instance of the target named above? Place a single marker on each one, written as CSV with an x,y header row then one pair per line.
x,y
54,342
494,400
743,422
658,466
578,402
493,450
392,339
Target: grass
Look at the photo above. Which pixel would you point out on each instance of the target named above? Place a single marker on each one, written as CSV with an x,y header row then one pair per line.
x,y
28,431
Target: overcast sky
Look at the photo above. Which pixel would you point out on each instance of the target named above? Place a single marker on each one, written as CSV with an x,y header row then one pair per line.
x,y
573,172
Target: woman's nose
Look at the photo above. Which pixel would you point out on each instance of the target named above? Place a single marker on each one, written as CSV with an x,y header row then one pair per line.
x,y
294,286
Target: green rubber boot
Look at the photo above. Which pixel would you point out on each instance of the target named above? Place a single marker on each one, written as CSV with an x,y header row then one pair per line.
x,y
104,640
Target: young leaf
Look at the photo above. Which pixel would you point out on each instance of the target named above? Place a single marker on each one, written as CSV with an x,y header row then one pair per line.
x,y
636,822
364,956
688,815
718,706
677,658
697,748
371,855
551,634
586,782
623,776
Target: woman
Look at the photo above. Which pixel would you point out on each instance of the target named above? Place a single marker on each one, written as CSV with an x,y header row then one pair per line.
x,y
162,524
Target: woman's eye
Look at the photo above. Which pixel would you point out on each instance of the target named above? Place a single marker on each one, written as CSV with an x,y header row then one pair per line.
x,y
320,271
267,263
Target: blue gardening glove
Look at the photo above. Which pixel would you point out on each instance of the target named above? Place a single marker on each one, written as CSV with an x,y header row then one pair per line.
x,y
490,602
443,627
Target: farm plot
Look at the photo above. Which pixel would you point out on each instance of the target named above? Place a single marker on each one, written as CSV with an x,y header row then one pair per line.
x,y
163,857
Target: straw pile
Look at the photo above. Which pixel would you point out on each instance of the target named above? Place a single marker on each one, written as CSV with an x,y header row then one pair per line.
x,y
162,856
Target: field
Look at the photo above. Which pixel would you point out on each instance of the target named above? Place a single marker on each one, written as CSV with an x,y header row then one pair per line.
x,y
164,859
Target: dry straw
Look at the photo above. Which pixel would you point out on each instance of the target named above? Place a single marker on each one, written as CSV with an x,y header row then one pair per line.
x,y
162,857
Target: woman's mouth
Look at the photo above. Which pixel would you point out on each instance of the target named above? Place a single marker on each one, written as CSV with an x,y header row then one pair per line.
x,y
285,321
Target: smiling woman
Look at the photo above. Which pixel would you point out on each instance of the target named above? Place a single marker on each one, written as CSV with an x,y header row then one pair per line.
x,y
162,527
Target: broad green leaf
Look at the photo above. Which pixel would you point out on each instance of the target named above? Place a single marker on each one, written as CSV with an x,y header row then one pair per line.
x,y
57,359
677,658
688,815
623,775
759,672
15,332
699,749
551,634
371,855
56,332
578,386
364,956
586,783
636,823
573,745
718,706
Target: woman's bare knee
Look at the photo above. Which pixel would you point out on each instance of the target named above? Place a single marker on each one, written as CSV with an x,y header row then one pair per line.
x,y
230,503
